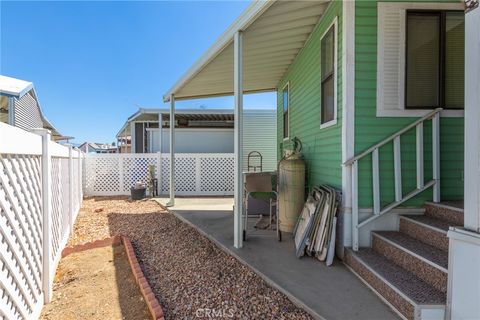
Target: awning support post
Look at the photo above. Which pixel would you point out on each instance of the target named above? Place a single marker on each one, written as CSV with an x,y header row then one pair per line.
x,y
159,167
238,138
171,203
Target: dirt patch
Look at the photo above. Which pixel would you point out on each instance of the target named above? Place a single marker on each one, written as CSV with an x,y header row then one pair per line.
x,y
96,284
188,274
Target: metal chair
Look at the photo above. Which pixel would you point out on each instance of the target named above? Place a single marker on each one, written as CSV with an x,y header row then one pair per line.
x,y
260,182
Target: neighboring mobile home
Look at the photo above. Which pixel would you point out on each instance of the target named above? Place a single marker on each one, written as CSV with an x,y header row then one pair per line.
x,y
375,92
20,108
92,147
202,131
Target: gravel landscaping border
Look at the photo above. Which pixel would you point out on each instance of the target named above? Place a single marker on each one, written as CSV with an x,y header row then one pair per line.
x,y
147,293
190,275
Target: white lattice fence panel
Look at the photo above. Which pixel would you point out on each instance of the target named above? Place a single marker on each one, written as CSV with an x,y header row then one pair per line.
x,y
195,174
60,208
217,175
102,176
20,237
136,169
185,174
76,186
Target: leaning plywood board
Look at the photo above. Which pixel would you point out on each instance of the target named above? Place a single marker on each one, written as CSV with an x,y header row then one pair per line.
x,y
303,226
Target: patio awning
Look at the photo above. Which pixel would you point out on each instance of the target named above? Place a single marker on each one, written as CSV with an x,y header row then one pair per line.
x,y
273,34
151,115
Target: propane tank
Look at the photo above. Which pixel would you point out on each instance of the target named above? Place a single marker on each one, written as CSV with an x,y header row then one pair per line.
x,y
291,190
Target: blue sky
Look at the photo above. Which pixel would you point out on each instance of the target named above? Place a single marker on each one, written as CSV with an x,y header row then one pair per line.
x,y
94,63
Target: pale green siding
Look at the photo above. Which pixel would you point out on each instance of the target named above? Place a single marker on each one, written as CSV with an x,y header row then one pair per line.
x,y
370,129
322,148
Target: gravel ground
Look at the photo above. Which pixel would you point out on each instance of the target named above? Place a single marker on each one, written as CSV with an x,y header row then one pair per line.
x,y
189,275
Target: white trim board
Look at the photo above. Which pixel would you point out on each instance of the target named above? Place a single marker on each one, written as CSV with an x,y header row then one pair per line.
x,y
333,122
348,113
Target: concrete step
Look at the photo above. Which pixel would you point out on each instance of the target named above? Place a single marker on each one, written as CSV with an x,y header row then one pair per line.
x,y
425,261
409,295
426,229
451,212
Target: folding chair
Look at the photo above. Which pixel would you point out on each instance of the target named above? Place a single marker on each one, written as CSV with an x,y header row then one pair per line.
x,y
260,182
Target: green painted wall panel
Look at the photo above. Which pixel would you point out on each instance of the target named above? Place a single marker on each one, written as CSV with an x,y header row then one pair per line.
x,y
370,129
322,148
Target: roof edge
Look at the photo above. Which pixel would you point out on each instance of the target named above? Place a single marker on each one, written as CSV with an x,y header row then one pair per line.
x,y
242,22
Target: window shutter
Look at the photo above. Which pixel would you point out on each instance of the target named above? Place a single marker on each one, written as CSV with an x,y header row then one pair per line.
x,y
390,57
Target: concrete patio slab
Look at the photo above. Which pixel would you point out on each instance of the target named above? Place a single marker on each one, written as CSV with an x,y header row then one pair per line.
x,y
325,292
200,204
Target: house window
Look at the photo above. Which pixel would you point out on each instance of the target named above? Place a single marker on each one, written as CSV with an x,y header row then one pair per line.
x,y
328,90
434,60
286,103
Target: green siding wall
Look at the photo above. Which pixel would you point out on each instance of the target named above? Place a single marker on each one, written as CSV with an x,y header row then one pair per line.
x,y
370,129
322,148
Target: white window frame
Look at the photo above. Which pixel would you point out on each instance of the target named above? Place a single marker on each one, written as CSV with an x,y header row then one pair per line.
x,y
330,123
287,85
402,8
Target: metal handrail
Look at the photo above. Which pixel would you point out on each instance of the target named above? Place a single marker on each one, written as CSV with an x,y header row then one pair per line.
x,y
393,136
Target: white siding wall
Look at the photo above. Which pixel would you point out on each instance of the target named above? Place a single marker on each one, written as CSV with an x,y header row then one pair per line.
x,y
27,113
260,134
260,130
194,140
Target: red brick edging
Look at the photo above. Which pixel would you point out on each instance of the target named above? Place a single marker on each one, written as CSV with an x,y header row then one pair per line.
x,y
145,289
152,302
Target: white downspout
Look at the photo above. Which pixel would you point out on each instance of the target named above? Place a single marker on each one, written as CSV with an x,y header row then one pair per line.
x,y
238,138
171,203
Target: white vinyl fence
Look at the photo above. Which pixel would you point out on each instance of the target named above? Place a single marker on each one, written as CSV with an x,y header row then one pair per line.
x,y
195,173
40,196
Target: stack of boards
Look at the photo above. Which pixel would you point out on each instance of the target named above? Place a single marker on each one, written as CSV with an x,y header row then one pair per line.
x,y
314,231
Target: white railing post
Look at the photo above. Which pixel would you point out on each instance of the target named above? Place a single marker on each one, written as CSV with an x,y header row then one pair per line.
x,y
376,182
355,205
436,156
47,215
419,156
397,167
70,187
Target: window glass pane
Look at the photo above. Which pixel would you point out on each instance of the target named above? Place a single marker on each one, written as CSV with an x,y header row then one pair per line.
x,y
423,39
328,100
285,99
454,59
327,54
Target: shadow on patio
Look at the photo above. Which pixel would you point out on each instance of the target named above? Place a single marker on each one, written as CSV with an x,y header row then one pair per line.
x,y
325,292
